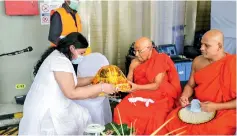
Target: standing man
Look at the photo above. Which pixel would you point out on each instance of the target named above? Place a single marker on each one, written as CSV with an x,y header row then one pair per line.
x,y
63,21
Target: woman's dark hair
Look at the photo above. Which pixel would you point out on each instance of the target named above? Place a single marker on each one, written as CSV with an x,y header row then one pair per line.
x,y
74,38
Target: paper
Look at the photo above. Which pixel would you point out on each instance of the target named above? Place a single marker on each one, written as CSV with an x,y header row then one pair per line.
x,y
45,9
194,106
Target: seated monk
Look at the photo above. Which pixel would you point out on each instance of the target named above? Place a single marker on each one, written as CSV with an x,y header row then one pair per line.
x,y
213,81
155,88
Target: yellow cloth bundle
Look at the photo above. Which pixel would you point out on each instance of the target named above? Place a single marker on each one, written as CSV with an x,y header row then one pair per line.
x,y
113,75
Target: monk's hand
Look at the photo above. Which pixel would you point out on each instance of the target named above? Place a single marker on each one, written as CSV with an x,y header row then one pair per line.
x,y
134,86
183,101
208,106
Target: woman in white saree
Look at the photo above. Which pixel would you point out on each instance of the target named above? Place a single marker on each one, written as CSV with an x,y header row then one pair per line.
x,y
49,108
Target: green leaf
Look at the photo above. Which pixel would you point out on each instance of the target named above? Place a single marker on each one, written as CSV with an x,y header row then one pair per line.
x,y
126,129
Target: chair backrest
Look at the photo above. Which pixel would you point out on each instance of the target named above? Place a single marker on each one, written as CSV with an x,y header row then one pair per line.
x,y
99,107
90,64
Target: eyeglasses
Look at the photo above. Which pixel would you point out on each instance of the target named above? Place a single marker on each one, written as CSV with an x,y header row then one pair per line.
x,y
141,51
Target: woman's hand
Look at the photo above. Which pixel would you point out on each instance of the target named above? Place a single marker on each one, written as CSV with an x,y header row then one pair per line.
x,y
108,88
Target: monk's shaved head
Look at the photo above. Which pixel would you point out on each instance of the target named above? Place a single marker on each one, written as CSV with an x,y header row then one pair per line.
x,y
143,49
212,45
143,42
215,36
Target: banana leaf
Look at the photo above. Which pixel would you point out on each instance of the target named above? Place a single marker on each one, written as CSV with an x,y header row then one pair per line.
x,y
126,129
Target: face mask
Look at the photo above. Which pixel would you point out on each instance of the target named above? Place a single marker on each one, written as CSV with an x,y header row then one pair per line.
x,y
74,4
77,60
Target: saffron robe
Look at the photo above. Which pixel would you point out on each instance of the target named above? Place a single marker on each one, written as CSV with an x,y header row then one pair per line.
x,y
215,83
147,119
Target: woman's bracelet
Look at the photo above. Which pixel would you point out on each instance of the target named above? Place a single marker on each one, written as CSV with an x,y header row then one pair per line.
x,y
102,88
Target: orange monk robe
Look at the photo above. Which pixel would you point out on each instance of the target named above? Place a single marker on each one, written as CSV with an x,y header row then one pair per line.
x,y
215,83
148,119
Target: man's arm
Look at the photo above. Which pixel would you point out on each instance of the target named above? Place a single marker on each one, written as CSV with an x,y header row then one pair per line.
x,y
211,106
133,65
130,73
153,86
84,81
188,89
55,28
227,105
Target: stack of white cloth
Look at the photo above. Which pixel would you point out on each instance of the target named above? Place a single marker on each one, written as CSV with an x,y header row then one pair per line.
x,y
146,101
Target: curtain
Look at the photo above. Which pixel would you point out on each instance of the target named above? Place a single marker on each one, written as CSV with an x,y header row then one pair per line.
x,y
190,22
197,18
112,26
168,23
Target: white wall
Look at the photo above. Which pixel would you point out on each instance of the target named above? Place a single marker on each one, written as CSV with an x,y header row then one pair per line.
x,y
225,20
19,32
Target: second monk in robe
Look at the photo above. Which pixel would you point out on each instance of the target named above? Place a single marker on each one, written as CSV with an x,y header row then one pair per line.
x,y
213,82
